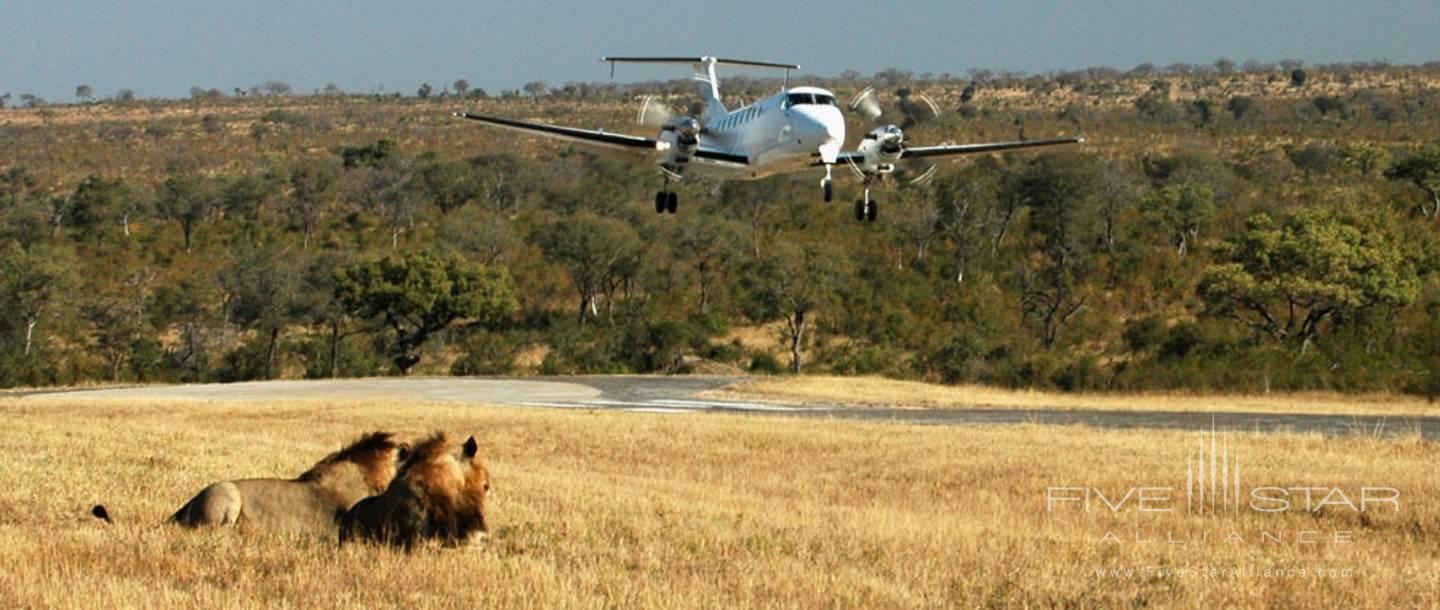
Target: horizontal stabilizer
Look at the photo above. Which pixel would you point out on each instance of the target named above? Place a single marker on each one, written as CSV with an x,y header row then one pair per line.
x,y
700,60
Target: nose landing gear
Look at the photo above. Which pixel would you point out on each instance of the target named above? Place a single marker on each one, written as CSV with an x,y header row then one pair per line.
x,y
825,187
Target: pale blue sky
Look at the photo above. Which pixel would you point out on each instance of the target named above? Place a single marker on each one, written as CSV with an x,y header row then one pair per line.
x,y
163,47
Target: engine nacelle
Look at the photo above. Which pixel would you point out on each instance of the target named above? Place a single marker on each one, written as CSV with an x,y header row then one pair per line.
x,y
683,136
882,147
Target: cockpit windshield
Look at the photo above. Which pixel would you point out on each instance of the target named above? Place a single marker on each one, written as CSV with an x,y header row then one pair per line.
x,y
809,99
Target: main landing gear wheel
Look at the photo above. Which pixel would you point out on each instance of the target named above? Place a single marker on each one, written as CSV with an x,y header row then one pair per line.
x,y
825,187
666,201
866,210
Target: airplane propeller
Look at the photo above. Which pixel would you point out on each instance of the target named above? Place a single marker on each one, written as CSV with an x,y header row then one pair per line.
x,y
915,110
654,113
684,131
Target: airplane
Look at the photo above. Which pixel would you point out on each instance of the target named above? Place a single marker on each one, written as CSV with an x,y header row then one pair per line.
x,y
797,129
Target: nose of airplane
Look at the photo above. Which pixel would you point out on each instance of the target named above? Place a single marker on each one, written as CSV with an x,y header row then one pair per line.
x,y
818,125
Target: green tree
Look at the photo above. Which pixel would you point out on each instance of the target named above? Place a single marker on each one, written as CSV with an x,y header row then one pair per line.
x,y
597,251
708,244
1182,210
498,181
99,202
188,199
1118,189
1286,279
1366,158
84,93
1421,169
792,282
386,188
321,305
1242,106
117,313
35,283
962,201
1058,189
364,156
312,185
264,296
447,184
461,87
418,295
480,235
1313,159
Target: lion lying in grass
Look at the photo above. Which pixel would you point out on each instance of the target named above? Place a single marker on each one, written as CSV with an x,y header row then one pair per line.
x,y
438,494
312,502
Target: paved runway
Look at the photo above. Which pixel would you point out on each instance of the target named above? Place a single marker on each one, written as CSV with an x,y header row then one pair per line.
x,y
678,395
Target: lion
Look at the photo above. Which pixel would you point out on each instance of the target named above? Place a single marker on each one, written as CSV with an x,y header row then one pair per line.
x,y
438,494
313,502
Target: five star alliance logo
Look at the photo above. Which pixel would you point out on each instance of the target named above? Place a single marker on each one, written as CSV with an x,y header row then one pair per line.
x,y
1212,476
1213,486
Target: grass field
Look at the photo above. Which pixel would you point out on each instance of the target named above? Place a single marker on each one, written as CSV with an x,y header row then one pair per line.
x,y
623,510
891,392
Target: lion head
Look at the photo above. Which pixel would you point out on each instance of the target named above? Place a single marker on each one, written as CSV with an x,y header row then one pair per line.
x,y
438,494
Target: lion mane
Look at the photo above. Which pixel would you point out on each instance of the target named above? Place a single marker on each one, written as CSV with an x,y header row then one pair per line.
x,y
438,494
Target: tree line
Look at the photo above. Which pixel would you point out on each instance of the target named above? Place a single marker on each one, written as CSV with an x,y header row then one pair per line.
x,y
1308,265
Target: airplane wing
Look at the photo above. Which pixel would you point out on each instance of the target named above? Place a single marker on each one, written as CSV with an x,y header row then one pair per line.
x,y
946,150
721,157
592,137
920,152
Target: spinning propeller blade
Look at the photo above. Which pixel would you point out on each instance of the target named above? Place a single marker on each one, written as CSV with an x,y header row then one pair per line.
x,y
654,113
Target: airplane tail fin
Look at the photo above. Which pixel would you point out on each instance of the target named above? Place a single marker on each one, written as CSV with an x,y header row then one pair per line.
x,y
709,87
704,73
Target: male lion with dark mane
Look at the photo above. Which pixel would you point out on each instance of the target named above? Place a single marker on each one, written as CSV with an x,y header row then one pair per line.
x,y
438,494
312,502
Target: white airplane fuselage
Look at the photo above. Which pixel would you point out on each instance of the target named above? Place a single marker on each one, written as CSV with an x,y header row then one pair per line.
x,y
775,135
798,129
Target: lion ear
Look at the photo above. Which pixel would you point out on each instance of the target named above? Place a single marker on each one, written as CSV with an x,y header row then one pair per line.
x,y
471,448
402,453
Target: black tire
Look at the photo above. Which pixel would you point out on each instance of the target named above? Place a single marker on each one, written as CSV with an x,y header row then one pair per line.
x,y
659,202
825,186
873,211
859,209
672,202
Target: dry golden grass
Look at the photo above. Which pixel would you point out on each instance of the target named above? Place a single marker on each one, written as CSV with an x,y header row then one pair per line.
x,y
608,509
890,392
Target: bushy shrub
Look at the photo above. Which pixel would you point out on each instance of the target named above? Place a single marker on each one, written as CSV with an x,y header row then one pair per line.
x,y
485,353
765,363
